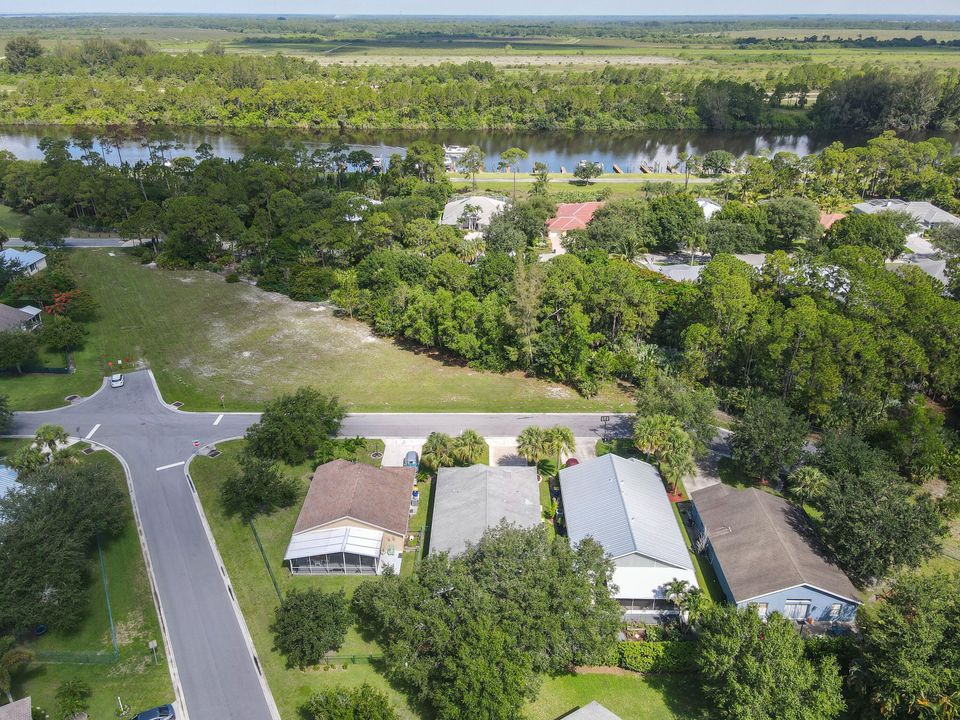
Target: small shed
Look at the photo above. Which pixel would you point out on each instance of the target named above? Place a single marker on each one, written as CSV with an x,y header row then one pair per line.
x,y
709,207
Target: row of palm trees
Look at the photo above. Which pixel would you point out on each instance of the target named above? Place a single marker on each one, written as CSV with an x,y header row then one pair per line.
x,y
442,450
535,444
664,438
45,447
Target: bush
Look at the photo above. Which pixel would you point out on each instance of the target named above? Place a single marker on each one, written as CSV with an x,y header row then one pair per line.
x,y
232,278
672,656
309,624
341,703
62,334
165,261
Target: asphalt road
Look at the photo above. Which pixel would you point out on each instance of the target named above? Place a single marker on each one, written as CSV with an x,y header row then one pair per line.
x,y
72,242
217,672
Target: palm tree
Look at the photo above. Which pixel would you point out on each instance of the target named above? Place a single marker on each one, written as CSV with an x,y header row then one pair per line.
x,y
11,657
469,448
648,432
675,590
49,436
437,451
560,440
26,460
675,456
807,483
532,444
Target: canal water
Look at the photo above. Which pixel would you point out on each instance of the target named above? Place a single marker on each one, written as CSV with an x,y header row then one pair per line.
x,y
629,151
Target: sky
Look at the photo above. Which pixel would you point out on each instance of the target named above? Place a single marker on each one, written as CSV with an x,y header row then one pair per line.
x,y
492,7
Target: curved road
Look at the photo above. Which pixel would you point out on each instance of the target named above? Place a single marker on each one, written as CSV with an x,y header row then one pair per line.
x,y
215,670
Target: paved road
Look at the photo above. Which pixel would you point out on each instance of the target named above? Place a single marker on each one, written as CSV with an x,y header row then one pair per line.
x,y
213,660
73,242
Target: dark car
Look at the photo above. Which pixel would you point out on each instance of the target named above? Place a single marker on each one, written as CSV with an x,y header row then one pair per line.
x,y
164,712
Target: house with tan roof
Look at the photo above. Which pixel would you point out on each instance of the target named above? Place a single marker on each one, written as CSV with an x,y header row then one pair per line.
x,y
353,520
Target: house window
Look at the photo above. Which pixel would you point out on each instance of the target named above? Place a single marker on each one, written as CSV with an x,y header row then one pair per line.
x,y
796,609
835,610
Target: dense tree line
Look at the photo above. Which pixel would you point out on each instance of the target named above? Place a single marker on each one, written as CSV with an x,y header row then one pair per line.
x,y
125,82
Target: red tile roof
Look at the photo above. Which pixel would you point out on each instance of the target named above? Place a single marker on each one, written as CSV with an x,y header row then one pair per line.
x,y
572,216
828,219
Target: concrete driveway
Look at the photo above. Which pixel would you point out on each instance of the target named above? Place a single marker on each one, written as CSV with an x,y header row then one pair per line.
x,y
396,449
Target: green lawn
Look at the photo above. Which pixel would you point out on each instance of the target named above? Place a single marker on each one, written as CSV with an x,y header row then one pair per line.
x,y
203,336
10,221
632,696
135,678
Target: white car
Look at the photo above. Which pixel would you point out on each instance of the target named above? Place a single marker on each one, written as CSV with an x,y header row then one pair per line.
x,y
116,380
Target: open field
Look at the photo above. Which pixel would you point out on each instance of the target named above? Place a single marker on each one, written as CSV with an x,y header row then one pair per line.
x,y
10,221
630,695
202,336
135,678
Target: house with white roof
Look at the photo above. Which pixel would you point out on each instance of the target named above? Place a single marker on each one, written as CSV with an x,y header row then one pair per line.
x,y
709,207
926,214
473,212
30,261
623,505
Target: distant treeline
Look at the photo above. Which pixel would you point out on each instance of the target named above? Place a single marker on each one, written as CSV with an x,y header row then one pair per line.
x,y
387,27
104,82
918,41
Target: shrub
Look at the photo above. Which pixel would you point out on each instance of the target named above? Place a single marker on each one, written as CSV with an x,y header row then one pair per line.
x,y
258,486
232,278
672,656
61,334
341,703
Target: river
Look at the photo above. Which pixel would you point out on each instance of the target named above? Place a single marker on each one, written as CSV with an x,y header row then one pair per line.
x,y
653,148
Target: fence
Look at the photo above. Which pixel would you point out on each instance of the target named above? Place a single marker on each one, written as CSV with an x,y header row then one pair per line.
x,y
87,657
266,563
351,659
65,657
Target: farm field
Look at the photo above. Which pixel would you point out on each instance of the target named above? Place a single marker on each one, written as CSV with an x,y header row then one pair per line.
x,y
135,678
203,336
629,694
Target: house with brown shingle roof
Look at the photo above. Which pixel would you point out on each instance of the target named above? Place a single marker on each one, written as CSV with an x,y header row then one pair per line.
x,y
768,555
353,520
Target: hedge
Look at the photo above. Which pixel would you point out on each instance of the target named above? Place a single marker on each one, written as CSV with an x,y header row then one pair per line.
x,y
668,656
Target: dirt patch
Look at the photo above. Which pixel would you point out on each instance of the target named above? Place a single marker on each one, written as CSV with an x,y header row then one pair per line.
x,y
130,629
601,670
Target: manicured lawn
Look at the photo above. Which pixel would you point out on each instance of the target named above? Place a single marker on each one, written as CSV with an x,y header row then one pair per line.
x,y
202,336
258,598
135,678
10,221
631,696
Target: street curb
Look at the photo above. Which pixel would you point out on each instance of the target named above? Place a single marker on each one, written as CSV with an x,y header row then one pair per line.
x,y
168,645
268,695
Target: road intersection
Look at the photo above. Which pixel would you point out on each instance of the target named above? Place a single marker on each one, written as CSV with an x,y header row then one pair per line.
x,y
214,666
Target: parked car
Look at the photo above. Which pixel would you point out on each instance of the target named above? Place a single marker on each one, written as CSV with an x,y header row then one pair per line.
x,y
116,380
164,712
411,459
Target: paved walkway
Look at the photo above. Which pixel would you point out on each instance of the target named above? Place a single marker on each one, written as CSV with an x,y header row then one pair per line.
x,y
215,670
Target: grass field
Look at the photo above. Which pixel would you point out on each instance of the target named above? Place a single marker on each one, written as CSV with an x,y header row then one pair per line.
x,y
632,696
135,678
202,336
10,221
